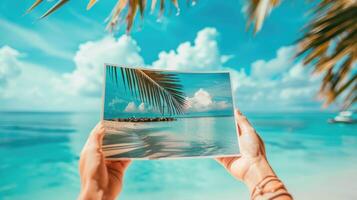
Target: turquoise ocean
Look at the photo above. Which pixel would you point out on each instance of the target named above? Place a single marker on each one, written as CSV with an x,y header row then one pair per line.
x,y
39,155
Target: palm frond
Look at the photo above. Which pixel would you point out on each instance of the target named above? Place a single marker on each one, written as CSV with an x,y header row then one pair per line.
x,y
58,5
132,8
161,90
258,10
91,4
34,5
330,45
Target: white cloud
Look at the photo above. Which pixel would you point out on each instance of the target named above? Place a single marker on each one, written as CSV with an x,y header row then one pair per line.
x,y
276,84
87,77
9,65
33,87
203,54
115,102
132,108
272,84
203,101
262,69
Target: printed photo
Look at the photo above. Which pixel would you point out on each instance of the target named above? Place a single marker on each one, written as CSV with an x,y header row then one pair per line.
x,y
155,114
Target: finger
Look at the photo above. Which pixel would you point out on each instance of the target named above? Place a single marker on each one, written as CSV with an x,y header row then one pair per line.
x,y
122,164
96,137
87,146
117,168
244,125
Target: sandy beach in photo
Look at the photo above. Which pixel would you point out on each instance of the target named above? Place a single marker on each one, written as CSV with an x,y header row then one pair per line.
x,y
149,140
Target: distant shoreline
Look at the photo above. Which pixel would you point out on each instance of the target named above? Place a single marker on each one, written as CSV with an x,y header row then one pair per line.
x,y
143,119
159,119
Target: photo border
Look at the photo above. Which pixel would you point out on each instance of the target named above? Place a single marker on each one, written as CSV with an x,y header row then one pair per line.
x,y
179,71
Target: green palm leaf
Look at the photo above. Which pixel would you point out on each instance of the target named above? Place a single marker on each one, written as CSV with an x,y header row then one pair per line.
x,y
161,90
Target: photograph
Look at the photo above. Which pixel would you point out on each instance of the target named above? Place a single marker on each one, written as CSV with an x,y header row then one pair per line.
x,y
178,99
155,114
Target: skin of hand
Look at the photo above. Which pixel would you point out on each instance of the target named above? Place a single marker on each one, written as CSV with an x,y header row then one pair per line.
x,y
100,179
251,166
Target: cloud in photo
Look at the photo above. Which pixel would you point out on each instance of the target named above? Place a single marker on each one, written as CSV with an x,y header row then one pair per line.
x,y
115,101
203,101
132,108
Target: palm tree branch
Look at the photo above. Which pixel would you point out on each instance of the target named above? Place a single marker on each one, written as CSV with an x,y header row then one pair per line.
x,y
161,90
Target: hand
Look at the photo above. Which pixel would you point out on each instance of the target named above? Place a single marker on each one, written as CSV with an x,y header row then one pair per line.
x,y
251,166
100,179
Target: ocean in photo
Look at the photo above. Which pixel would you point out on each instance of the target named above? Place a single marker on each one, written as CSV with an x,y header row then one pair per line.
x,y
40,151
183,137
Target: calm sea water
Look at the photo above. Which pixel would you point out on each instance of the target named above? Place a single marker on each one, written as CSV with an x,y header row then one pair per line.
x,y
184,137
39,155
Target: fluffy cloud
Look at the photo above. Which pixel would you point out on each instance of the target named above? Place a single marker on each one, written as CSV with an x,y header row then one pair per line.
x,y
277,83
27,86
203,54
132,108
115,102
9,65
262,69
86,79
203,101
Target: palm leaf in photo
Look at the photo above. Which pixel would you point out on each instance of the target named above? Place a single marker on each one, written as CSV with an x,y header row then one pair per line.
x,y
161,90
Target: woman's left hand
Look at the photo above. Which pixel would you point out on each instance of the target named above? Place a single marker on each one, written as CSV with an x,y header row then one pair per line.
x,y
100,179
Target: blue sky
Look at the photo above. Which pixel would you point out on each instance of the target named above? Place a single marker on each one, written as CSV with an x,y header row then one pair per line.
x,y
56,63
206,94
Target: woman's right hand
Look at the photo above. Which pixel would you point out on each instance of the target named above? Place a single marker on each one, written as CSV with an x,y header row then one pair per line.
x,y
251,166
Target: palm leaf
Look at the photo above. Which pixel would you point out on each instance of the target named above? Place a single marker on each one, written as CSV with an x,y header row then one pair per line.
x,y
258,10
115,14
161,90
58,5
34,5
330,45
91,4
132,6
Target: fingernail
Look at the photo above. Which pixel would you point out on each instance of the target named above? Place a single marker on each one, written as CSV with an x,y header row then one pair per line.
x,y
238,112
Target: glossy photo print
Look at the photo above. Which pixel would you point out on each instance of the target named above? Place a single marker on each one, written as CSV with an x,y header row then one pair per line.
x,y
152,114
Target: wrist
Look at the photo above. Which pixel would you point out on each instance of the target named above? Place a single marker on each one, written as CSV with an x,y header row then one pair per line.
x,y
257,172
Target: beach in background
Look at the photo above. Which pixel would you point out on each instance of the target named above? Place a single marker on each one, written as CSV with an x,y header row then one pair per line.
x,y
40,151
183,137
